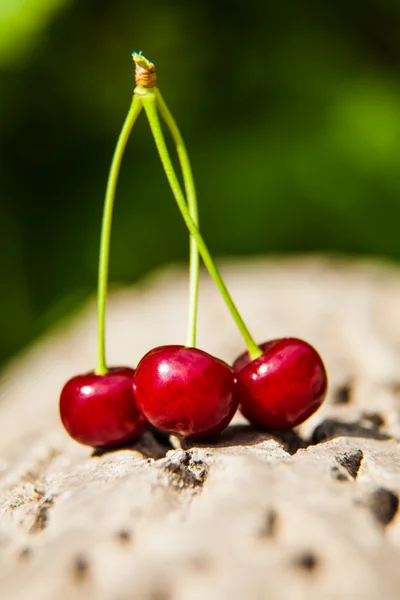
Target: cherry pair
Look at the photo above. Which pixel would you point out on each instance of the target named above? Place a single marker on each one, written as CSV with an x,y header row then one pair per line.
x,y
181,389
178,389
186,391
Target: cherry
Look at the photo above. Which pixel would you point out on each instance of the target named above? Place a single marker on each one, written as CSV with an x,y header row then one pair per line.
x,y
185,391
284,386
100,410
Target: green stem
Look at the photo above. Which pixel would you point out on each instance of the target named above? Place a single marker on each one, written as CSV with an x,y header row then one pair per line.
x,y
149,103
190,192
134,111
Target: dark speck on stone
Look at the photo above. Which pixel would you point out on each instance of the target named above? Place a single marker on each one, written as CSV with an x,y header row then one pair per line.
x,y
25,554
269,526
124,536
351,461
384,505
80,568
342,394
307,561
338,474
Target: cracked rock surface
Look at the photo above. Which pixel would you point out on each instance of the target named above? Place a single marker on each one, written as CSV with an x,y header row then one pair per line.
x,y
307,514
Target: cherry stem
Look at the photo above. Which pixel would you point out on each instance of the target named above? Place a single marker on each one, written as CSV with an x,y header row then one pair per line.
x,y
191,199
134,111
149,100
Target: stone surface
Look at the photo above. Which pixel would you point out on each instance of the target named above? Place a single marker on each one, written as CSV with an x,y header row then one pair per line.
x,y
308,514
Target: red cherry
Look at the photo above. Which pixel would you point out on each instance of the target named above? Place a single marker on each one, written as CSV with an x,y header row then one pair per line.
x,y
100,410
284,386
185,391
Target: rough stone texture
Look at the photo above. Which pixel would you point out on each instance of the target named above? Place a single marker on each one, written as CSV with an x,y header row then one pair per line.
x,y
311,514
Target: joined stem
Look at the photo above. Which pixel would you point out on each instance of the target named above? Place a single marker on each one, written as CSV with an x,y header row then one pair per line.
x,y
149,100
191,199
133,113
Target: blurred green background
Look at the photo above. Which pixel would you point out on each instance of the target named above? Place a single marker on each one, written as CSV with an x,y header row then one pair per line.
x,y
290,111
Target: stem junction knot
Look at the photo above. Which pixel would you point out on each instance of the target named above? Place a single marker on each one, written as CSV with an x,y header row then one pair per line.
x,y
145,72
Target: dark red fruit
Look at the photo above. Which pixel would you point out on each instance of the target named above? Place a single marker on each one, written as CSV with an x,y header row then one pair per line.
x,y
185,391
100,410
284,386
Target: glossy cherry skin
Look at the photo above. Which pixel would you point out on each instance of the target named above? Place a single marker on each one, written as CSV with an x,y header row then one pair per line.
x,y
185,391
100,410
284,386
